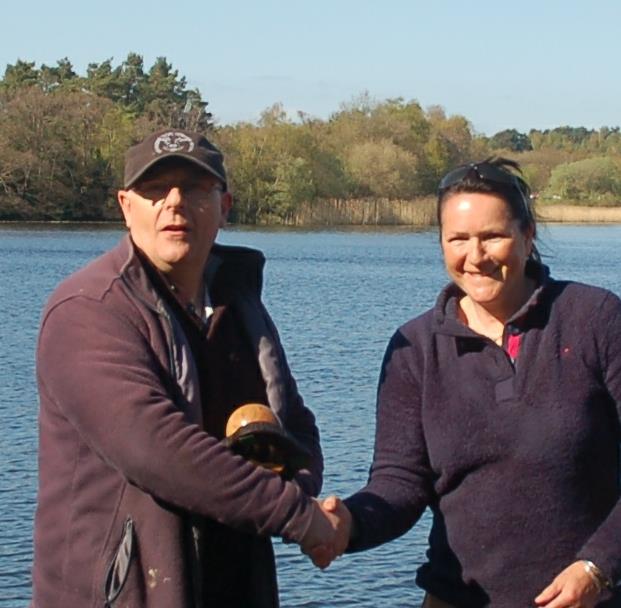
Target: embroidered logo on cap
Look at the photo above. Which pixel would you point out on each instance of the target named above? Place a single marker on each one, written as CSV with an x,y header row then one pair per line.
x,y
173,141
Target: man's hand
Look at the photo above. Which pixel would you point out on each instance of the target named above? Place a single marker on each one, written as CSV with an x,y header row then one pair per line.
x,y
574,587
324,553
343,522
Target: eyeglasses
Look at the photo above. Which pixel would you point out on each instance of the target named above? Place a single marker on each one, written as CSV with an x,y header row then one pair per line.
x,y
195,192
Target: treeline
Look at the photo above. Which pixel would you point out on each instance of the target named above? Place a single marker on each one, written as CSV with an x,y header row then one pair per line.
x,y
62,136
62,139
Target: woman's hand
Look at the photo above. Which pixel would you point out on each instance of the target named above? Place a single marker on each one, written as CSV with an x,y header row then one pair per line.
x,y
574,587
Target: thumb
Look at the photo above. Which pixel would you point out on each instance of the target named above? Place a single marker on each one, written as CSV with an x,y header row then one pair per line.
x,y
331,504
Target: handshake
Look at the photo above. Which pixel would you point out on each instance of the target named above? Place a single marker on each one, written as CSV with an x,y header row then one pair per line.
x,y
329,533
254,432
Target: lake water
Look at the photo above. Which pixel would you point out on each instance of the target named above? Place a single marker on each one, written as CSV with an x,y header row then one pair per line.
x,y
336,298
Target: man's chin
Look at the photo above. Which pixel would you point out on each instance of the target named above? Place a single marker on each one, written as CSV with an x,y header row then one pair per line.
x,y
175,252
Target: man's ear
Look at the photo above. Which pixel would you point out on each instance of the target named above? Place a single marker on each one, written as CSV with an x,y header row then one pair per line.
x,y
226,202
123,196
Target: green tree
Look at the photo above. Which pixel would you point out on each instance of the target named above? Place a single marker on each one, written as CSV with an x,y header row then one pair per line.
x,y
592,180
561,138
53,166
277,165
132,83
103,80
159,95
510,139
62,136
62,75
383,169
22,74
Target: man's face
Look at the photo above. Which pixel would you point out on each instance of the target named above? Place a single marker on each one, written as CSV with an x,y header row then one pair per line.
x,y
173,214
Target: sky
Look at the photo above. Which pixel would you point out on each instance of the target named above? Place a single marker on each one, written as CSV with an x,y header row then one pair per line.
x,y
526,64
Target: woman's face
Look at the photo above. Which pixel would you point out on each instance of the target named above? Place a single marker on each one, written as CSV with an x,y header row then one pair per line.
x,y
485,250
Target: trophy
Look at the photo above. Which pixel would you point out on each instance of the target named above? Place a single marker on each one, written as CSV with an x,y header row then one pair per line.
x,y
254,432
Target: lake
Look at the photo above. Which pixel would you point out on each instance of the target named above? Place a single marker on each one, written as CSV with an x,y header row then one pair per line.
x,y
336,296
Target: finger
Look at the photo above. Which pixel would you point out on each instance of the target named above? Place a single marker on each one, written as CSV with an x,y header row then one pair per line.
x,y
571,597
322,556
317,550
547,595
561,602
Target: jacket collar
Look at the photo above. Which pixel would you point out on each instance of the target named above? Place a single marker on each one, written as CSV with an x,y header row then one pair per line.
x,y
228,270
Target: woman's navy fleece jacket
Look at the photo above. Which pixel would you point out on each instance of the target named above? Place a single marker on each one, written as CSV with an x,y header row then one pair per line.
x,y
518,459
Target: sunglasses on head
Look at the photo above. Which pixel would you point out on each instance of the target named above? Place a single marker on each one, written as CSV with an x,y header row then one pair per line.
x,y
484,172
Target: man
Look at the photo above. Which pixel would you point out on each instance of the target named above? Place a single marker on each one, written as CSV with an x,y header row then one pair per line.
x,y
142,357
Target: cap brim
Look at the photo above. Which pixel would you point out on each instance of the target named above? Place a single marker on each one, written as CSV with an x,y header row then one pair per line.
x,y
134,178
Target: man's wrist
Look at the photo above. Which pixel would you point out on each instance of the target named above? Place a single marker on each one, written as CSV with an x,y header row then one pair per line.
x,y
599,578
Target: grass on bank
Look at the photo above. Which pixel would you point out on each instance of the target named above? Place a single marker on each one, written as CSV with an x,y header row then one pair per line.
x,y
422,212
577,214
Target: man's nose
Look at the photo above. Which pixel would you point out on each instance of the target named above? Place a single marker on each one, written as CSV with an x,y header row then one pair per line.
x,y
174,197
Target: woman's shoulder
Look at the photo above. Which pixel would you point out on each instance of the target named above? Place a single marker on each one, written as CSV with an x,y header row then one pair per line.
x,y
418,327
577,305
584,295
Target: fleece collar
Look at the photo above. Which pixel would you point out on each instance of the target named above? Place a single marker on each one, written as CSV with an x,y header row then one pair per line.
x,y
446,319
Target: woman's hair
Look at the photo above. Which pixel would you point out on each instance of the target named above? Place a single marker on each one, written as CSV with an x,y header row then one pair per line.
x,y
494,175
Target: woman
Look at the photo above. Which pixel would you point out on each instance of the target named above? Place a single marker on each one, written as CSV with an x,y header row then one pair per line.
x,y
499,409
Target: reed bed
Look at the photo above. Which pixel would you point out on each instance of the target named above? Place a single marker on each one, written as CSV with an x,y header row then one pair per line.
x,y
577,214
422,212
366,212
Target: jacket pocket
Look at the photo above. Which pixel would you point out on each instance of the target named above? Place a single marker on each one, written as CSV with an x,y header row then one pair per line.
x,y
118,570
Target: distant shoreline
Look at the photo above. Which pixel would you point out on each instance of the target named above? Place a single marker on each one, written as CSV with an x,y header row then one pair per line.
x,y
547,213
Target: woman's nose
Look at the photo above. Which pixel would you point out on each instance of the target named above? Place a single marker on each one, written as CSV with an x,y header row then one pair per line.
x,y
476,251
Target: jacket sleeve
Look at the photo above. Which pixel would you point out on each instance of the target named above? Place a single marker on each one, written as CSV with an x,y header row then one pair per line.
x,y
604,546
98,372
399,486
300,422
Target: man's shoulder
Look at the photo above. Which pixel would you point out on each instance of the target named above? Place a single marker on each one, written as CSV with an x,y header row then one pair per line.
x,y
93,280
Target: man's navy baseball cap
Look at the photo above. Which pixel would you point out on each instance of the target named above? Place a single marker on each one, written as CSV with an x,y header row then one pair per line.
x,y
172,143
